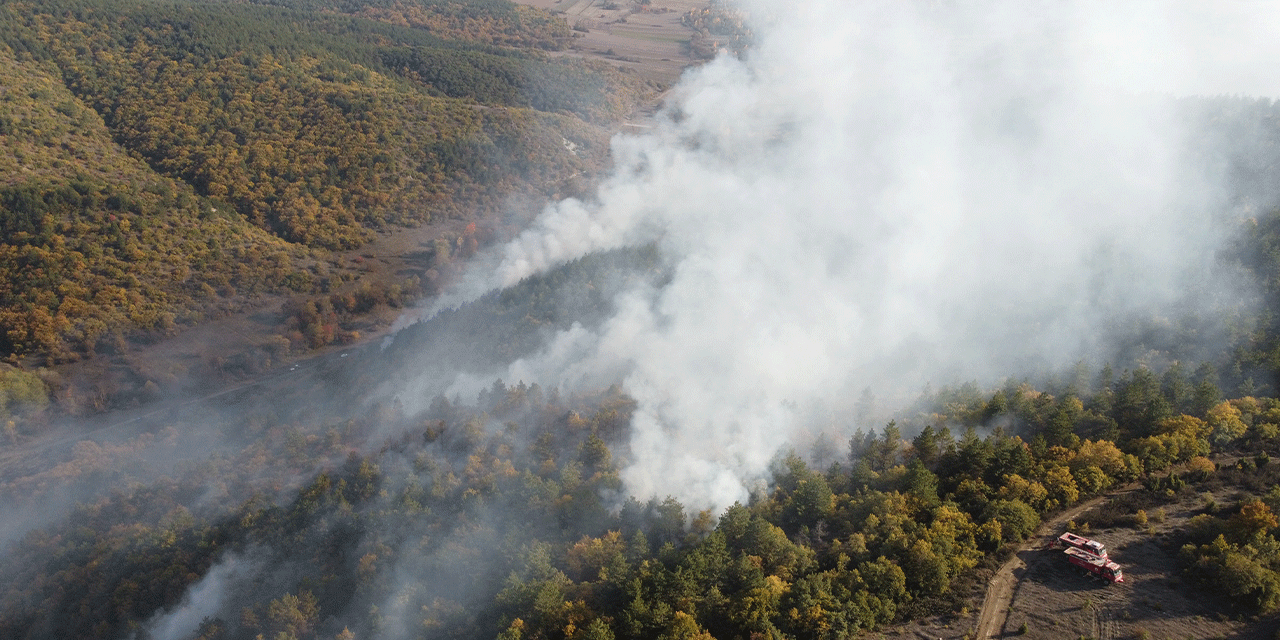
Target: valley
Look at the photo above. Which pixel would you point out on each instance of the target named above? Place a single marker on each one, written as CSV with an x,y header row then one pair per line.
x,y
891,295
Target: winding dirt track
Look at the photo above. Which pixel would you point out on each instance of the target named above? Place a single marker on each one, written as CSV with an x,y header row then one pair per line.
x,y
995,606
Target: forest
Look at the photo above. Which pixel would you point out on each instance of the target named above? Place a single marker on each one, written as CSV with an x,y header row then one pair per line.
x,y
505,516
171,159
228,150
511,499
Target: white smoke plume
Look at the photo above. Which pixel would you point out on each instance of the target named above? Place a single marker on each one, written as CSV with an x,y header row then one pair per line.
x,y
204,599
883,194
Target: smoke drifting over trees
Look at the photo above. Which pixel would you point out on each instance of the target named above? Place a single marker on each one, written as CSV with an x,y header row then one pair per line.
x,y
592,435
885,195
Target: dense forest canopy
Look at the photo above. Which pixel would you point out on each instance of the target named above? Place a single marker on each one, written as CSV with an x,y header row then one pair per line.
x,y
506,516
315,127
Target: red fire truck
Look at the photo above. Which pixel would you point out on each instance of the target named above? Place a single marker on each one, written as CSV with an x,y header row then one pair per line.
x,y
1095,565
1072,541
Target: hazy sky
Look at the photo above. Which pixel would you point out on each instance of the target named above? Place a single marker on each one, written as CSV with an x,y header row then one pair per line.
x,y
886,194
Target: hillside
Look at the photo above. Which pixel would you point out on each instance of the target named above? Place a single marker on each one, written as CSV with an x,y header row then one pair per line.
x,y
96,244
211,210
272,136
315,505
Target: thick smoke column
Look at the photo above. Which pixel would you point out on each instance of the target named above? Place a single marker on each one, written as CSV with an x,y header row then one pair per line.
x,y
883,195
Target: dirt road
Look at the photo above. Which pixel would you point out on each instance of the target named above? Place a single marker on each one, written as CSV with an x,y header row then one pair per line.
x,y
995,606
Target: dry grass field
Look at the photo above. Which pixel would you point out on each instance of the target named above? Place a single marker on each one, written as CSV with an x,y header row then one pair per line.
x,y
650,39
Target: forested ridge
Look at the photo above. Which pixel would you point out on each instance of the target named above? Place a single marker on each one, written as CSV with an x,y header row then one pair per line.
x,y
315,127
168,158
94,242
505,516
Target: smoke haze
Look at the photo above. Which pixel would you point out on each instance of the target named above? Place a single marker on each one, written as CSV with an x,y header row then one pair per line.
x,y
876,198
884,195
202,600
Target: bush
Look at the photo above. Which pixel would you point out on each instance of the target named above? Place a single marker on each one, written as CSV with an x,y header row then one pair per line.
x,y
21,393
1092,480
1200,468
1204,528
1017,519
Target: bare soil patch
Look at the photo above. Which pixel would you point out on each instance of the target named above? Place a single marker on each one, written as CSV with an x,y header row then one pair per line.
x,y
1038,594
1155,601
1000,592
648,39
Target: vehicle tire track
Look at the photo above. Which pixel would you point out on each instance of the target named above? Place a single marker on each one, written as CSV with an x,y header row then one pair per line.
x,y
995,604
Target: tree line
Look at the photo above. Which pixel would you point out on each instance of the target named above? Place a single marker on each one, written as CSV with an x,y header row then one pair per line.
x,y
517,499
